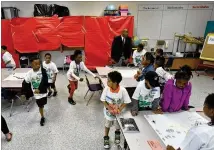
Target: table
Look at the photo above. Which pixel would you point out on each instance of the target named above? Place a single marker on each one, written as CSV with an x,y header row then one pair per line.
x,y
14,85
128,80
138,141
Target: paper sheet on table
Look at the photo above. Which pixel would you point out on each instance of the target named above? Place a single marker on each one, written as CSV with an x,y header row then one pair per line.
x,y
128,73
176,126
155,145
15,76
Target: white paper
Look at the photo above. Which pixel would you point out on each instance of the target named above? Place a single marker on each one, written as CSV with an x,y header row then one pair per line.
x,y
211,40
128,73
15,76
172,128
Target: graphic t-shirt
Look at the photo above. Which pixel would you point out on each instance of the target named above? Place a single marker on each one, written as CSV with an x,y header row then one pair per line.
x,y
8,57
51,69
118,99
145,96
35,79
75,69
137,57
163,74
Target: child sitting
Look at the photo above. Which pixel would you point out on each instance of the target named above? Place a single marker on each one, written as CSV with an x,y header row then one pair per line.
x,y
114,98
147,62
52,71
159,52
159,69
147,94
38,80
73,74
201,137
7,58
138,54
177,91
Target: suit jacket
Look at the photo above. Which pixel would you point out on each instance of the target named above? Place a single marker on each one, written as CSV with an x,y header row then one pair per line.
x,y
118,48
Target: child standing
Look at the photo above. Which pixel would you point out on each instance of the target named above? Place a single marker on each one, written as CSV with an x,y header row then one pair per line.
x,y
73,74
38,80
201,137
7,58
177,91
52,71
114,98
147,94
138,54
147,63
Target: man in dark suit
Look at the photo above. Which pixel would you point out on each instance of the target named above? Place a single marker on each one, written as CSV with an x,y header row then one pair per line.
x,y
121,49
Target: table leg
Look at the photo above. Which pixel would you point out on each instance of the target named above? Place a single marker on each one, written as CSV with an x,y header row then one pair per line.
x,y
11,107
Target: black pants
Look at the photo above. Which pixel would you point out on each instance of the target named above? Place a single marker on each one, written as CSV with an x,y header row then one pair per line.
x,y
4,127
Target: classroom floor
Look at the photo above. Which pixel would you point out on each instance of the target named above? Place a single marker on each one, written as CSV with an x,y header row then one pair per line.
x,y
78,127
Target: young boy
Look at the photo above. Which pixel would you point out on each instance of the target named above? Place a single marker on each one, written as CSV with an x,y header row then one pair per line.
x,y
159,52
114,98
38,79
73,74
147,94
138,54
52,71
147,62
7,58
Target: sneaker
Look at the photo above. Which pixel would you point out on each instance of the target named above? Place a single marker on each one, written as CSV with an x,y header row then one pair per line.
x,y
54,94
42,122
117,137
71,101
49,93
106,142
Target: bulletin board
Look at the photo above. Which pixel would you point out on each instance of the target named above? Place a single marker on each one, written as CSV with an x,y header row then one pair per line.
x,y
208,48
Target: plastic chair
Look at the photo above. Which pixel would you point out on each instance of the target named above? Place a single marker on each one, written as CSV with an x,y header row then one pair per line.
x,y
93,88
169,63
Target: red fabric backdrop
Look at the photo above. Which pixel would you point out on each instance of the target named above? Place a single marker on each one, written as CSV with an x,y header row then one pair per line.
x,y
28,35
6,39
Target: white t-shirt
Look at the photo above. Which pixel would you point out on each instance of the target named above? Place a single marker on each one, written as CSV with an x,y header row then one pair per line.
x,y
137,57
8,57
163,74
51,69
114,98
199,138
35,79
144,95
75,69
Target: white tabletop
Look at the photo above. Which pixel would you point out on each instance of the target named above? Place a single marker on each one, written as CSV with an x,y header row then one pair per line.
x,y
138,141
128,79
12,84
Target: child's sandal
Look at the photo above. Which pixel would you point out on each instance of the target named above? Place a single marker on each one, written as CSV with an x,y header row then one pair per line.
x,y
9,139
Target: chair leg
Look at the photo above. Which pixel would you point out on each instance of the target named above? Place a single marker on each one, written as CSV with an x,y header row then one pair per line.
x,y
86,94
90,98
11,107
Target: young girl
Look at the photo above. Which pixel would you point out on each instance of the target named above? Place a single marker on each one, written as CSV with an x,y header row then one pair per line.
x,y
36,82
159,52
177,91
52,73
201,137
73,74
159,69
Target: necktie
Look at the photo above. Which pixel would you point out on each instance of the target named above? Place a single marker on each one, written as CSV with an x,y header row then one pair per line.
x,y
123,40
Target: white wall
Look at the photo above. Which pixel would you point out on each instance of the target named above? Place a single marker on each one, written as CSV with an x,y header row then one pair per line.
x,y
96,9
